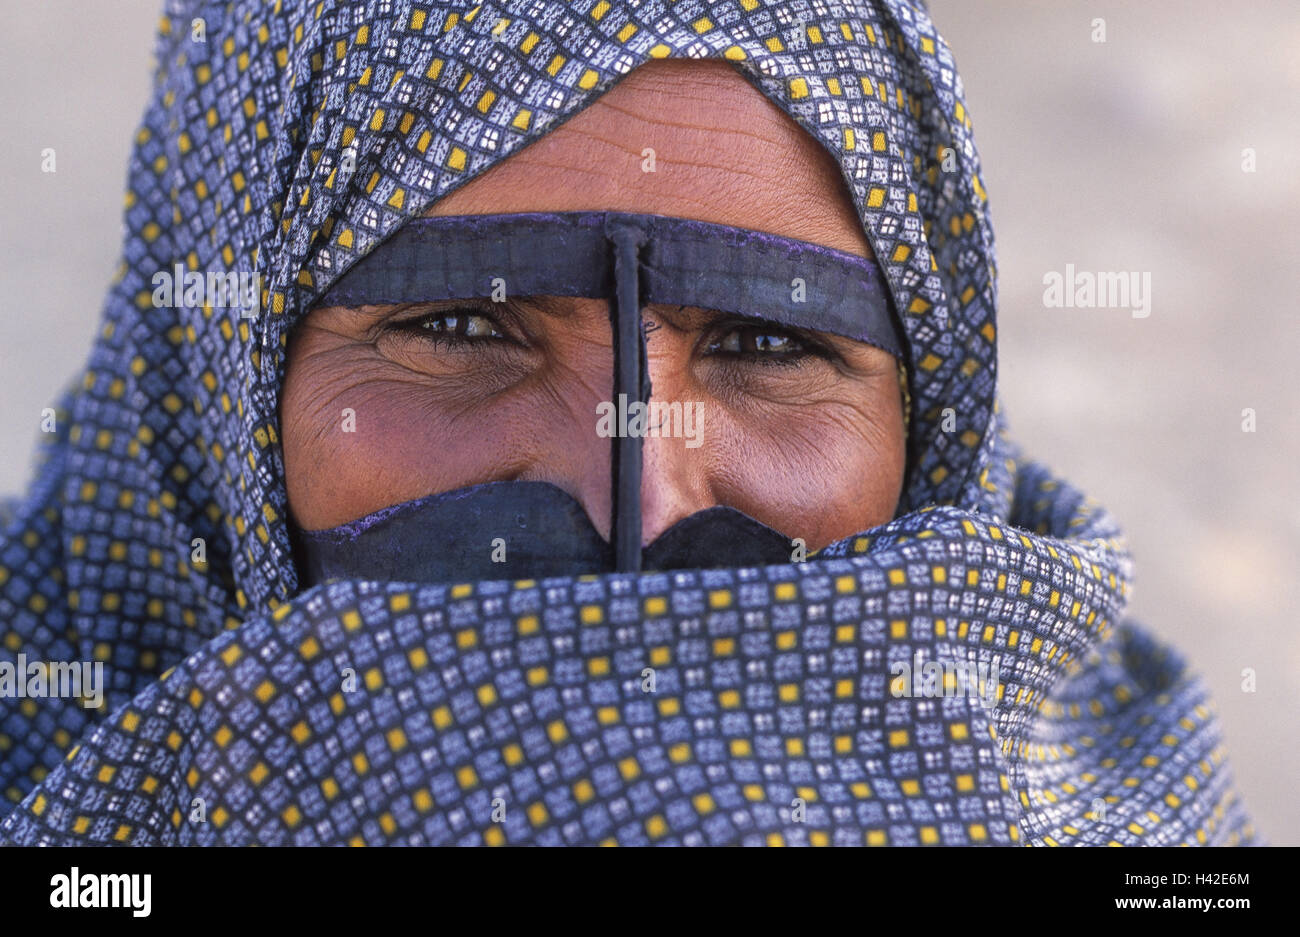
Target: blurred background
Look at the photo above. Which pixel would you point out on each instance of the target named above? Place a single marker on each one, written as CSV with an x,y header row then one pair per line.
x,y
1118,155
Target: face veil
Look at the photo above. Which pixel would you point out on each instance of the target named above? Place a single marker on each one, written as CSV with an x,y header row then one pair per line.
x,y
301,139
631,260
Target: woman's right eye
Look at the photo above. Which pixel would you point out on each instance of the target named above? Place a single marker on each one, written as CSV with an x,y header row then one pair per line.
x,y
453,327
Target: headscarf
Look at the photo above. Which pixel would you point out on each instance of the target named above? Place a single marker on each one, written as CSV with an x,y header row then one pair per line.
x,y
240,710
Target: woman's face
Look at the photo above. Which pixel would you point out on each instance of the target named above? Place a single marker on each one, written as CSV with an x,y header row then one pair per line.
x,y
801,430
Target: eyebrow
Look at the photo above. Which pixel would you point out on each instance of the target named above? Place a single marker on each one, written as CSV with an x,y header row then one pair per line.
x,y
378,313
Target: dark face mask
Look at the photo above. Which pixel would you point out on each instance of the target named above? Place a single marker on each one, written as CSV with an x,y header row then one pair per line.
x,y
529,530
520,530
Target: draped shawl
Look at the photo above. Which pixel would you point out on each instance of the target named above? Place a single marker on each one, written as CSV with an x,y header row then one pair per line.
x,y
518,712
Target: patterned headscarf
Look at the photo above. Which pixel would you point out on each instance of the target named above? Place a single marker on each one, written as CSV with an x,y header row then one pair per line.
x,y
708,706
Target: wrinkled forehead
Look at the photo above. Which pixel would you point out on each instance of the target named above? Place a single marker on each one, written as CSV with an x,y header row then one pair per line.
x,y
680,261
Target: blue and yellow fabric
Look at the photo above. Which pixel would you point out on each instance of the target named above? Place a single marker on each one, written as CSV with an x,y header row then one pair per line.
x,y
242,710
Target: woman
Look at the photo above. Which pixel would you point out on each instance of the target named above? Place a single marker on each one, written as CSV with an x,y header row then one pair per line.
x,y
833,605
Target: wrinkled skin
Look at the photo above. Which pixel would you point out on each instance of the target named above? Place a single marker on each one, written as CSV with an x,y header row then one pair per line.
x,y
801,430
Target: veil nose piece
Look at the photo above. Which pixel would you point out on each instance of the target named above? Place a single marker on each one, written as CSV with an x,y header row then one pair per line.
x,y
631,383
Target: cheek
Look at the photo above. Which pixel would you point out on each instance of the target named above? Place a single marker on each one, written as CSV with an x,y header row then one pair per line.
x,y
341,452
820,472
400,445
361,433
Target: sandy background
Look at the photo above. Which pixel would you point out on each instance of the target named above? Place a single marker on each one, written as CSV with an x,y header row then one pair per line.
x,y
1123,155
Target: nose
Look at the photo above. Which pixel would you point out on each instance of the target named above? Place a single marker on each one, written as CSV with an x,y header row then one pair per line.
x,y
673,485
674,456
676,480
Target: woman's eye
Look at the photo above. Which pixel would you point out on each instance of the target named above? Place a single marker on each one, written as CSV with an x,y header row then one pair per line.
x,y
456,326
467,325
760,343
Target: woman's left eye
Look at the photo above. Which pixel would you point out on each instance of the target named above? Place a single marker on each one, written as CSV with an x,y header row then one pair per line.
x,y
760,343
